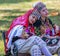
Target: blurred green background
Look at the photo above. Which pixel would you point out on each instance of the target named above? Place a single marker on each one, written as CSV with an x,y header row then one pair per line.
x,y
10,9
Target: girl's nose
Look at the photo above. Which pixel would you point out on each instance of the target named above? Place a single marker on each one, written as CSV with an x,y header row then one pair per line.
x,y
46,11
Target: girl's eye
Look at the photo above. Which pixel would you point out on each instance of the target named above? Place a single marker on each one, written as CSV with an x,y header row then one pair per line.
x,y
43,10
33,16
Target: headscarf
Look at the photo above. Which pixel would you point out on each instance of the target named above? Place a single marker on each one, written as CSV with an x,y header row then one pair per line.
x,y
39,6
36,13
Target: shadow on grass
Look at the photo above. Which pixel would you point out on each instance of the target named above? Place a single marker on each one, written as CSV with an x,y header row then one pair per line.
x,y
6,19
4,22
12,11
10,17
51,10
14,1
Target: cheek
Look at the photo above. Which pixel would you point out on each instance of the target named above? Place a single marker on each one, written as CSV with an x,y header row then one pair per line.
x,y
34,20
44,14
30,20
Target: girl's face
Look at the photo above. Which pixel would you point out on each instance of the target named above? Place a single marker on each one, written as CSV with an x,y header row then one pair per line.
x,y
32,19
44,12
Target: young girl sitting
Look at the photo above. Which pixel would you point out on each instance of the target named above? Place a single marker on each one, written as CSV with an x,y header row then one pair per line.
x,y
46,27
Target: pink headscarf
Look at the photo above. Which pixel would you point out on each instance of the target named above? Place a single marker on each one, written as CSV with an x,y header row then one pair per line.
x,y
21,20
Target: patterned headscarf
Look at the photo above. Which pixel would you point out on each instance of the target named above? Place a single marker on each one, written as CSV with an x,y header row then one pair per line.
x,y
36,13
39,6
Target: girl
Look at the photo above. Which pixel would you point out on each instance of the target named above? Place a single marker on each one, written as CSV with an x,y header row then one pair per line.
x,y
45,25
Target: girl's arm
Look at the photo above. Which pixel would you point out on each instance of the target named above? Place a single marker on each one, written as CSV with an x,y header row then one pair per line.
x,y
51,37
48,36
56,28
16,31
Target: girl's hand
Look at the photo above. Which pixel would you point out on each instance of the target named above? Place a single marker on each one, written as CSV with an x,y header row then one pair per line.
x,y
56,28
42,35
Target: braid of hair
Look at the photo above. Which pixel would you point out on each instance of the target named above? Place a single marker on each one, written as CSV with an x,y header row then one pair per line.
x,y
47,21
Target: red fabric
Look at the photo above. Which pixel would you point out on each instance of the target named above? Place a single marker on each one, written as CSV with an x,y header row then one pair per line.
x,y
58,34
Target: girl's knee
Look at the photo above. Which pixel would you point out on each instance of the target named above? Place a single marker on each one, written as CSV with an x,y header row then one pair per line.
x,y
40,41
34,48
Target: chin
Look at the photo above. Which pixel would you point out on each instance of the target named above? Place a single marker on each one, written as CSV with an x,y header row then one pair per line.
x,y
46,16
31,23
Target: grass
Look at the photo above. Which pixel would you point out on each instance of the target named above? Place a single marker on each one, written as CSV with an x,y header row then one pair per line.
x,y
10,9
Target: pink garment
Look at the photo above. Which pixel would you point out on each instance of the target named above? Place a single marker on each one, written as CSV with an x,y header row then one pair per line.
x,y
21,20
50,32
47,31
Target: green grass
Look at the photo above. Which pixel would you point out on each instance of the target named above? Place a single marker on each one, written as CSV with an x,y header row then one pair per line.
x,y
10,9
